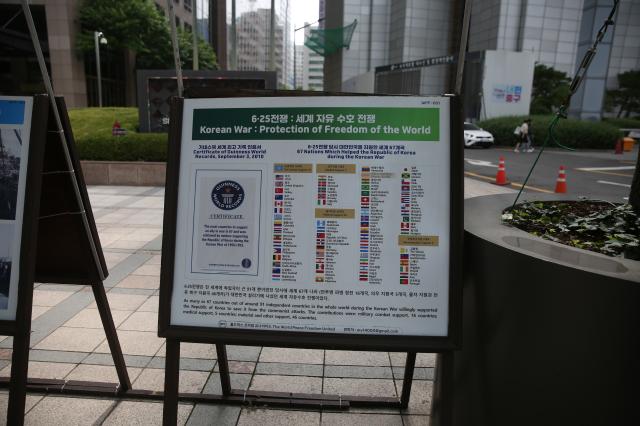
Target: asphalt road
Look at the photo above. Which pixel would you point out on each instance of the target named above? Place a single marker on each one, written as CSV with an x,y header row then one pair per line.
x,y
594,174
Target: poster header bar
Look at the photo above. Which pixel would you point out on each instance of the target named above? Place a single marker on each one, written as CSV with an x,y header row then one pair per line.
x,y
319,123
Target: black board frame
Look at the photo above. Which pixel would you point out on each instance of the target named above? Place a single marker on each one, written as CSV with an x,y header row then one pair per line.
x,y
20,328
307,339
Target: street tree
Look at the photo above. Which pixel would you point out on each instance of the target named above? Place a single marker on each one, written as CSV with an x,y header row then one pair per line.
x,y
137,25
626,98
550,88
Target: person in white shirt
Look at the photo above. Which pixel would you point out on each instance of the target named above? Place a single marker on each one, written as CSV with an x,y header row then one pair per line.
x,y
526,136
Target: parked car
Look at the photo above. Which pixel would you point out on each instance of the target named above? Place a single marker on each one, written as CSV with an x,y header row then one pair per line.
x,y
475,136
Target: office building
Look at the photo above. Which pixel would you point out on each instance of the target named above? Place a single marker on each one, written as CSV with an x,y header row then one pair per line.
x,y
556,32
252,26
309,66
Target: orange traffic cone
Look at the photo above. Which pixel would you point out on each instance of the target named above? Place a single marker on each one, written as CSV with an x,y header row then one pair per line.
x,y
561,183
618,146
501,176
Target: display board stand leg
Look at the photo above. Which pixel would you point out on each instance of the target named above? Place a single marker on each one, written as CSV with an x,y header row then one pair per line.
x,y
19,372
112,336
171,381
442,404
409,368
223,369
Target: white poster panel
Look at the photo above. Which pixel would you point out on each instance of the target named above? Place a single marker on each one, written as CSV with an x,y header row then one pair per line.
x,y
15,127
314,214
507,83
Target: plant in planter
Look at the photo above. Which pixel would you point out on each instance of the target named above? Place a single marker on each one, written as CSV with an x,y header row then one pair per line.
x,y
611,229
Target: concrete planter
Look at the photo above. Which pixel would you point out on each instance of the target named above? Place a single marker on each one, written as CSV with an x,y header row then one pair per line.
x,y
140,173
551,333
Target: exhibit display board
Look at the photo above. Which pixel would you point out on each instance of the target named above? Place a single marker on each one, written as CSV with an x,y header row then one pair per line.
x,y
15,127
314,215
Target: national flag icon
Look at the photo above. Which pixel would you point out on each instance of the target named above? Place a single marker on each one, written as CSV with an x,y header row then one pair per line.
x,y
279,184
277,257
404,281
278,167
405,225
366,169
364,200
277,250
279,190
275,271
406,187
320,253
319,278
279,197
279,177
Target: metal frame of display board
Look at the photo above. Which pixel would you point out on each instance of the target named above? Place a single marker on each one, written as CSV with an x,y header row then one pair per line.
x,y
57,215
222,336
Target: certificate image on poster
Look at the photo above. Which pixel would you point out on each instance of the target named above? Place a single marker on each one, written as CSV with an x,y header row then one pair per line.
x,y
226,230
10,147
6,230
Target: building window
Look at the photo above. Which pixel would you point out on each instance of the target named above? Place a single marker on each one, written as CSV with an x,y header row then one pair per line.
x,y
177,22
187,4
188,27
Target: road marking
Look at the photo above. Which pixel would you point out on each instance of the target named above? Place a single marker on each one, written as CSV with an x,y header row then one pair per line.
x,y
519,185
480,162
514,184
606,182
607,173
598,169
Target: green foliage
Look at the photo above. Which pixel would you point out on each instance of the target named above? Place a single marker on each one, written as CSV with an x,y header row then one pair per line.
x,y
550,89
623,123
92,132
133,147
87,122
611,229
206,56
138,25
626,98
133,24
569,132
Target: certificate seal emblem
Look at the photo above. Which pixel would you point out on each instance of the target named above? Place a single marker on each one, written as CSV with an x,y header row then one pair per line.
x,y
227,195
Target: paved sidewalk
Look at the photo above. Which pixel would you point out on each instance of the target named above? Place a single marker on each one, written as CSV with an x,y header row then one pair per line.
x,y
68,342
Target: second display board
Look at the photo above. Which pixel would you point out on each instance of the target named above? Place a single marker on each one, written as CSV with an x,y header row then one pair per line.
x,y
314,215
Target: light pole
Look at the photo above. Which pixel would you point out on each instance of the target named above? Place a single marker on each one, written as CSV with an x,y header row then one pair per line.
x,y
99,39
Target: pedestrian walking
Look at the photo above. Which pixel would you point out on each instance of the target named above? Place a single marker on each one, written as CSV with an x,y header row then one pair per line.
x,y
525,135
